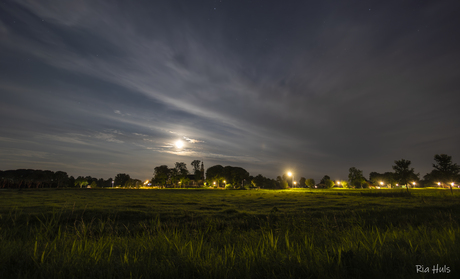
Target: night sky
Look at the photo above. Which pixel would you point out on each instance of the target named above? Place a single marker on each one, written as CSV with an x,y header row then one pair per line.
x,y
316,87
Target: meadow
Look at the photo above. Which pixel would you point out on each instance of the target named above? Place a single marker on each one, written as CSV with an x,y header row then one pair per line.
x,y
201,233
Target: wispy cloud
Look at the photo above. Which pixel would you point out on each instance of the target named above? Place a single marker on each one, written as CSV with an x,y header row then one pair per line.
x,y
102,75
193,140
108,137
78,139
15,152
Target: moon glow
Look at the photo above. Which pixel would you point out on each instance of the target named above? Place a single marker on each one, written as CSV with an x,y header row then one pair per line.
x,y
179,144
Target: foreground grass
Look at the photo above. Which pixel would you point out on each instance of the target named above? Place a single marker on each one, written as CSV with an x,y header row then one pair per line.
x,y
227,234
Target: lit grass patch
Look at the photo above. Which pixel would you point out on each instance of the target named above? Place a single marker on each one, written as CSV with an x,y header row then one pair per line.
x,y
165,235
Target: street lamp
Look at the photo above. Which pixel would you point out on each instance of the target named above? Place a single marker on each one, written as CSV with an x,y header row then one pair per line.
x,y
381,184
295,182
290,175
112,183
413,183
439,184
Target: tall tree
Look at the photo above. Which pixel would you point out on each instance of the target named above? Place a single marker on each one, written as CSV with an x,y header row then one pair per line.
x,y
81,182
279,179
71,182
215,174
61,178
91,179
389,178
445,169
386,178
196,165
121,179
302,182
133,183
310,183
100,182
177,173
196,170
284,184
282,181
326,182
375,178
173,176
235,175
258,181
404,174
161,175
108,182
355,177
181,168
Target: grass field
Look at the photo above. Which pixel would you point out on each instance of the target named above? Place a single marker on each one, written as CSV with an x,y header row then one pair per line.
x,y
177,233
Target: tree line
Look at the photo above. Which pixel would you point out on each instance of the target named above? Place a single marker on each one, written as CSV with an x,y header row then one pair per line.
x,y
28,178
216,176
444,173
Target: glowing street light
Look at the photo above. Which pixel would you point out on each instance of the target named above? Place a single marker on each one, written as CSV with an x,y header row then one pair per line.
x,y
413,183
439,183
291,176
295,182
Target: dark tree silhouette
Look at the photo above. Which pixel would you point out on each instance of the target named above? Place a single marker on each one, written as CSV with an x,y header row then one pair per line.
x,y
445,169
121,179
355,177
310,183
403,173
161,175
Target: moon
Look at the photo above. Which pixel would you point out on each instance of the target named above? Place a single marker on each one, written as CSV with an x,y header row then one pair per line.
x,y
179,144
